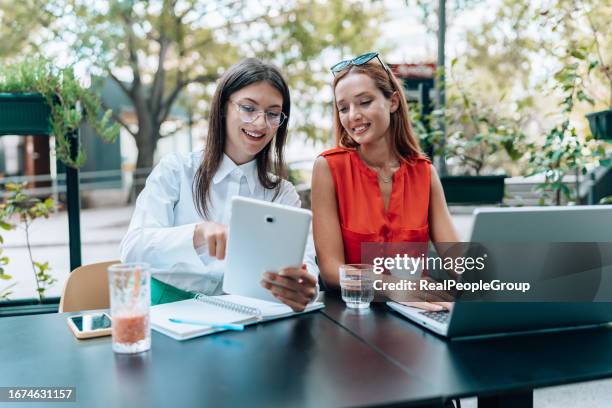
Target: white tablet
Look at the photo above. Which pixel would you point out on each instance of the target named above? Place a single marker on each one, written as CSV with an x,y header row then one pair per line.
x,y
263,236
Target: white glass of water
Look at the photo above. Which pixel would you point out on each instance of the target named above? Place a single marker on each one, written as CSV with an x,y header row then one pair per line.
x,y
356,285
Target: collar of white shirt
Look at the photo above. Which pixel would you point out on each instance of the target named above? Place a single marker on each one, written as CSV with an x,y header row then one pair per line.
x,y
248,169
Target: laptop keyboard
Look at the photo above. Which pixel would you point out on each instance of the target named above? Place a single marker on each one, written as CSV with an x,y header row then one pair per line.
x,y
441,316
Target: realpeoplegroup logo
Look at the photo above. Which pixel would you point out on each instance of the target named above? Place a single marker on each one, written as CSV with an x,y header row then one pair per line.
x,y
425,285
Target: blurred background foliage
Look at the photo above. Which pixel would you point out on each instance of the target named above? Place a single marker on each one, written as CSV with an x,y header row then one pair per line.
x,y
157,50
506,89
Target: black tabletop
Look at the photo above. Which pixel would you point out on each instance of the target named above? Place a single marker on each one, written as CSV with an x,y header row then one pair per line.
x,y
482,366
303,361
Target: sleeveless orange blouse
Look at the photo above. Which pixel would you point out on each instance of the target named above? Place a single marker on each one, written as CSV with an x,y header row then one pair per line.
x,y
361,208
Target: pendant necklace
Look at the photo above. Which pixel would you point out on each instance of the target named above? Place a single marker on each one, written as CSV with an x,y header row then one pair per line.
x,y
378,169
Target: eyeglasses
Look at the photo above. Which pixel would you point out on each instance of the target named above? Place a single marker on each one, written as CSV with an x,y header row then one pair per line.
x,y
360,60
248,114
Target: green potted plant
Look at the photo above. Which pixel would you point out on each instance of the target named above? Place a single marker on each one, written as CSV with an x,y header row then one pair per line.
x,y
600,122
21,210
36,98
590,62
478,141
468,157
585,43
562,151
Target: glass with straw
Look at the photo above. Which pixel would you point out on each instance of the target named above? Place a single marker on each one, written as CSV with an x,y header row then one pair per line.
x,y
130,298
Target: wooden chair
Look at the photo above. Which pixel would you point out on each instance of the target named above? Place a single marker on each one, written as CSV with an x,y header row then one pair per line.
x,y
86,288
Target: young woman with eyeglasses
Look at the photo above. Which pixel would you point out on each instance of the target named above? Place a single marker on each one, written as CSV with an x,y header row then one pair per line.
x,y
180,221
376,185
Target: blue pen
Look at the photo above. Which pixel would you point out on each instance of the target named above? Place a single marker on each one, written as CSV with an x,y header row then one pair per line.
x,y
236,327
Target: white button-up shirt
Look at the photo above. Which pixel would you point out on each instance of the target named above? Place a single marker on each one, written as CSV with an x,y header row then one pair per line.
x,y
162,226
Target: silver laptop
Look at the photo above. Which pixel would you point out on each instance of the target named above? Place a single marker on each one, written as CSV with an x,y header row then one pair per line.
x,y
521,225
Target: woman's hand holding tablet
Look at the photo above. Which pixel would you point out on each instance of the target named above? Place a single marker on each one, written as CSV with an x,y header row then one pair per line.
x,y
295,287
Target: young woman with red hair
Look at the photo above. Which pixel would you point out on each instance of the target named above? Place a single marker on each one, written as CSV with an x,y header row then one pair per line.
x,y
376,185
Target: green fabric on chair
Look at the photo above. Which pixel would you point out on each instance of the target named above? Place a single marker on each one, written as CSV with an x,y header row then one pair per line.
x,y
163,293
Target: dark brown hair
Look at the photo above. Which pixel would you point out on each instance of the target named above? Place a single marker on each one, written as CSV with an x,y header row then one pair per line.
x,y
404,143
238,76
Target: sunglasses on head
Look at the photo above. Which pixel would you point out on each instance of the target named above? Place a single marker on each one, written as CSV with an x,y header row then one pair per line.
x,y
360,60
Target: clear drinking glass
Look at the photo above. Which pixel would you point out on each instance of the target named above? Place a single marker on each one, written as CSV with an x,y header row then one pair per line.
x,y
356,285
130,297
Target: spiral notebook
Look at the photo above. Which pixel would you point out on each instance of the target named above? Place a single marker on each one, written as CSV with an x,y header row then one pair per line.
x,y
219,309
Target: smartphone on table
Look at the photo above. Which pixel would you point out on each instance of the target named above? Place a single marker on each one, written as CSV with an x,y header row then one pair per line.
x,y
86,326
